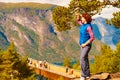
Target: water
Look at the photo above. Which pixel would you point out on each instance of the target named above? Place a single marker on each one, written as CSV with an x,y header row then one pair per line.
x,y
61,63
73,62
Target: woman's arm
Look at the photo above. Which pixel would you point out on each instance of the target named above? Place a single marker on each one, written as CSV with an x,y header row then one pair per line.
x,y
78,19
90,31
79,22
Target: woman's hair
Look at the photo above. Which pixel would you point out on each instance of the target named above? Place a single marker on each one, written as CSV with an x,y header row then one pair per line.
x,y
87,17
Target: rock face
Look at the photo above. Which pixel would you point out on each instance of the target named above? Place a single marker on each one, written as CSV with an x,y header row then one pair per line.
x,y
3,40
34,33
106,76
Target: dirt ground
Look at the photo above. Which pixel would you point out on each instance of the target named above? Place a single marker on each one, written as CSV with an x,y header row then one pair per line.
x,y
114,75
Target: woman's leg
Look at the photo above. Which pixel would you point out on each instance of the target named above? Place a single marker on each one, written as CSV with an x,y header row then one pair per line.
x,y
84,61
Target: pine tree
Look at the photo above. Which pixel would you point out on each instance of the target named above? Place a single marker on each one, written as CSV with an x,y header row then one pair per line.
x,y
108,61
77,65
67,62
62,18
117,56
116,19
13,66
65,17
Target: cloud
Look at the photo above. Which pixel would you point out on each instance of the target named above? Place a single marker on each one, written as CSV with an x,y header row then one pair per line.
x,y
57,2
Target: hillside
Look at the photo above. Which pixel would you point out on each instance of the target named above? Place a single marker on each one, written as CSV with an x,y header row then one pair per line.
x,y
104,32
31,28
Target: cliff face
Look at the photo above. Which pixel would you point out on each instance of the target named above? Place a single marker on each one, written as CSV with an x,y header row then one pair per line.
x,y
33,32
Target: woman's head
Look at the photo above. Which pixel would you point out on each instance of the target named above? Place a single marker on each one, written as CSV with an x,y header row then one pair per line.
x,y
86,18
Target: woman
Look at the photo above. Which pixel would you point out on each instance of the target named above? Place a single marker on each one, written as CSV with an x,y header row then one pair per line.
x,y
86,38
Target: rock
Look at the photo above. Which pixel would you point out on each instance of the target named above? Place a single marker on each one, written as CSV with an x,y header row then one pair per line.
x,y
102,76
95,77
115,75
115,79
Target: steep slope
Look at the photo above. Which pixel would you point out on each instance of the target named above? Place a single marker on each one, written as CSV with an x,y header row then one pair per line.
x,y
3,41
104,32
33,32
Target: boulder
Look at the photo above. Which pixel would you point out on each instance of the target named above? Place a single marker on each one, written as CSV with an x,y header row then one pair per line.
x,y
102,76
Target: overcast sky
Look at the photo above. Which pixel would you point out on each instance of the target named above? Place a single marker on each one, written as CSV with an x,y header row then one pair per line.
x,y
58,2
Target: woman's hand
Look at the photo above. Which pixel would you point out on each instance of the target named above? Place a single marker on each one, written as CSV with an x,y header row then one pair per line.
x,y
88,42
78,16
83,45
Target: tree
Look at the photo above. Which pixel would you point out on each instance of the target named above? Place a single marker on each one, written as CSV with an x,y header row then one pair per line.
x,y
67,62
77,65
13,66
108,61
61,17
64,17
117,55
116,19
92,6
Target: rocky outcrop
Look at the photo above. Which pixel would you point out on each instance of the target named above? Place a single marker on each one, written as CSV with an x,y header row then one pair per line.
x,y
106,76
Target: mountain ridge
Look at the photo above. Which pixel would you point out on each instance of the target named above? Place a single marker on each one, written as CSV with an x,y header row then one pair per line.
x,y
34,33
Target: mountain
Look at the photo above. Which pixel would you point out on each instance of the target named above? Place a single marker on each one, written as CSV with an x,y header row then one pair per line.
x,y
3,40
30,26
104,32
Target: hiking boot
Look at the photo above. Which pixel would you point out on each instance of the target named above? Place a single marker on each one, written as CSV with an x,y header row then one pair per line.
x,y
87,78
82,78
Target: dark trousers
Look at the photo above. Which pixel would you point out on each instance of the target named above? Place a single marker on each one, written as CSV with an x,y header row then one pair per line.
x,y
84,61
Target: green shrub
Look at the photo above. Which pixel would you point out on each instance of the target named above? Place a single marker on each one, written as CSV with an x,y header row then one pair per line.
x,y
108,61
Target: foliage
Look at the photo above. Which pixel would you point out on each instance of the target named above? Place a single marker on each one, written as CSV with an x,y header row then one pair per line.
x,y
61,17
65,17
84,6
76,65
116,19
13,66
67,62
117,3
61,78
108,61
108,22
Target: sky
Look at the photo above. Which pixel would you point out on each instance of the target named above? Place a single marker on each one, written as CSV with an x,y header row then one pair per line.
x,y
57,2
